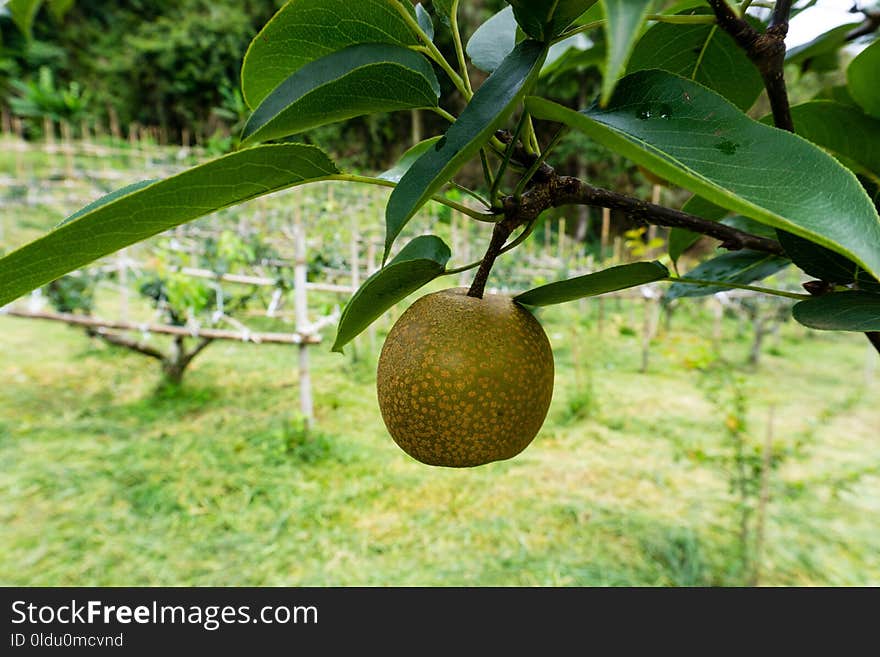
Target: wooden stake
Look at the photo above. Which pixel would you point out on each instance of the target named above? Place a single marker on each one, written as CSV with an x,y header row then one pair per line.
x,y
560,239
300,276
606,231
67,147
371,269
122,273
114,122
18,128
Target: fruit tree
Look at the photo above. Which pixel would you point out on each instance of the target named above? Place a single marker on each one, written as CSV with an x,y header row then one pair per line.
x,y
465,376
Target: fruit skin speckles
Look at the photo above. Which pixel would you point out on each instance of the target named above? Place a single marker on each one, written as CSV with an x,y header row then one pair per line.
x,y
462,381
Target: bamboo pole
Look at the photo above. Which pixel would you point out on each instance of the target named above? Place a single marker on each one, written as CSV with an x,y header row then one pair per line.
x,y
163,329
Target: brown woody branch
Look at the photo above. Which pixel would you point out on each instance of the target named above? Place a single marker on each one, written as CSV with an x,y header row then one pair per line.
x,y
556,191
766,50
122,341
871,25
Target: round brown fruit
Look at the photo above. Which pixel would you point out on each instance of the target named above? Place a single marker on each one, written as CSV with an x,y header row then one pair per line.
x,y
464,381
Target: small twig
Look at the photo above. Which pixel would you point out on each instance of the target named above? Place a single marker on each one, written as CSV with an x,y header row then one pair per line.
x,y
500,233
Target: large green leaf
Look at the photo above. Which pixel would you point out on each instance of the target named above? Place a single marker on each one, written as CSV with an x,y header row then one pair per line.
x,y
693,137
840,311
23,13
601,282
681,239
59,8
828,42
845,131
305,30
863,79
826,265
123,219
395,173
493,41
489,108
361,79
568,50
546,19
443,7
418,263
625,20
704,53
739,267
425,21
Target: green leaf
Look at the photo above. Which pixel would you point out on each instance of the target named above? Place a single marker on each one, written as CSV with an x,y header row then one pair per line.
x,y
601,282
740,267
863,80
694,138
750,226
425,21
845,131
59,8
491,105
493,41
826,265
109,198
625,20
443,7
545,19
361,79
395,173
576,53
703,53
681,239
119,220
840,311
23,13
305,30
829,42
418,263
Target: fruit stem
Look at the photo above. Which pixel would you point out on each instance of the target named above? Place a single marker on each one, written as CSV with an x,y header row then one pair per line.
x,y
500,233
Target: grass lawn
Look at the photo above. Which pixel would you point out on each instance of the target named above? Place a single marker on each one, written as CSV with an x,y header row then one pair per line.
x,y
105,482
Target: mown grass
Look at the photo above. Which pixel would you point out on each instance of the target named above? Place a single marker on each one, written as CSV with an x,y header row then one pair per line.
x,y
106,482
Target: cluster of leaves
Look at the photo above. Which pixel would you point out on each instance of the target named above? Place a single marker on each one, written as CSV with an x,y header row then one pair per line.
x,y
43,98
673,93
181,298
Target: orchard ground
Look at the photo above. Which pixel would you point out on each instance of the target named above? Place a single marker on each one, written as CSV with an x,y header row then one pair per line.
x,y
107,482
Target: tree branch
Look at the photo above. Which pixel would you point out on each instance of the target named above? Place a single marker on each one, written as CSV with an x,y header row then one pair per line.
x,y
871,24
564,190
766,51
121,341
188,357
781,14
